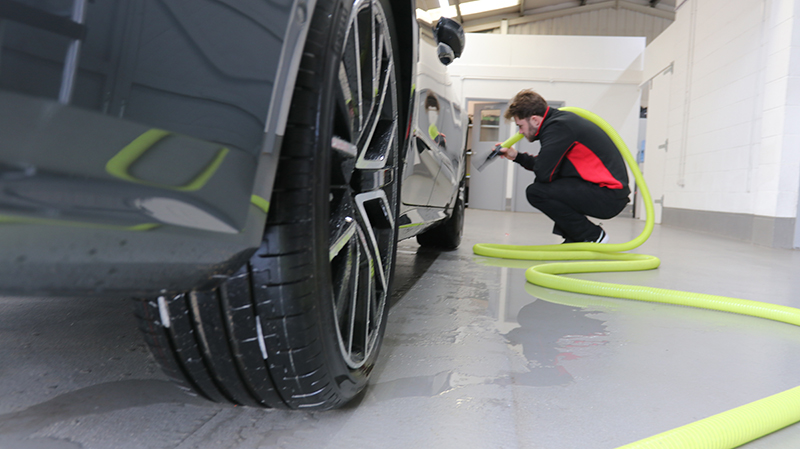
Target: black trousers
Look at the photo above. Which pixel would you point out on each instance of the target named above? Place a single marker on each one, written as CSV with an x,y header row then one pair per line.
x,y
567,201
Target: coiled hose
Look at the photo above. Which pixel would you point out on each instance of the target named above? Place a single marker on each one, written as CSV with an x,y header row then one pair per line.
x,y
728,429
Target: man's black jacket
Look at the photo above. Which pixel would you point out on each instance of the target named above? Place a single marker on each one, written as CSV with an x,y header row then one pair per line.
x,y
575,147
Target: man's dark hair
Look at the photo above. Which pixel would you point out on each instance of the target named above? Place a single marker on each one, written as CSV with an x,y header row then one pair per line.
x,y
526,104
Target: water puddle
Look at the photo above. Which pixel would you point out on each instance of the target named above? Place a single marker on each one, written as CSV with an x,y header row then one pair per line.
x,y
546,327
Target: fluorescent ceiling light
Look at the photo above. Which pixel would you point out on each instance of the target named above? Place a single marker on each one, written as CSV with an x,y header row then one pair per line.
x,y
444,6
480,6
467,8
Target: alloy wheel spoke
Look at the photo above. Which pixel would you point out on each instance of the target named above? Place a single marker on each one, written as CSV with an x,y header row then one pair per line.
x,y
353,303
368,330
374,156
363,182
341,237
371,202
346,102
357,72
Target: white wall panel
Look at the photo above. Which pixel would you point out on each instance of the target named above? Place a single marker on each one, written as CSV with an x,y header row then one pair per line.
x,y
736,96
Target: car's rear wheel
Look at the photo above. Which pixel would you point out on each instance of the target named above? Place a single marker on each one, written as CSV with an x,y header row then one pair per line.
x,y
447,235
300,325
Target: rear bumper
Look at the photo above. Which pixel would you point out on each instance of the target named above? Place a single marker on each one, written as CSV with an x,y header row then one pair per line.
x,y
89,203
147,176
86,259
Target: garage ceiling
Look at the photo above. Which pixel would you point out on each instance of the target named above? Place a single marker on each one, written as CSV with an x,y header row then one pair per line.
x,y
527,11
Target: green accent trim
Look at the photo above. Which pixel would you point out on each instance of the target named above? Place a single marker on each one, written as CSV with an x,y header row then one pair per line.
x,y
260,203
433,131
206,174
143,227
10,219
119,165
411,225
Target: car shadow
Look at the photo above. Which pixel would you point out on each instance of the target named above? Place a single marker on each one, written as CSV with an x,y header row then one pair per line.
x,y
412,262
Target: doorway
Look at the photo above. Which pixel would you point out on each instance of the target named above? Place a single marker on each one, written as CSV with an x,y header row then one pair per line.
x,y
488,186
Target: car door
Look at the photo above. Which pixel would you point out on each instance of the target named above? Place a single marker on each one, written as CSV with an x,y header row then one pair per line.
x,y
425,153
423,159
451,125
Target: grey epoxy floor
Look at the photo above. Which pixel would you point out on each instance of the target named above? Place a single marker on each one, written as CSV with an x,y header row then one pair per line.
x,y
473,358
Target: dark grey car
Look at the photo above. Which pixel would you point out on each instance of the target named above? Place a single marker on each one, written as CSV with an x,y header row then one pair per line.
x,y
242,167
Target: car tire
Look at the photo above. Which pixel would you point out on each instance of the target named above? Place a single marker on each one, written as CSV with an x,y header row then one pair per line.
x,y
301,324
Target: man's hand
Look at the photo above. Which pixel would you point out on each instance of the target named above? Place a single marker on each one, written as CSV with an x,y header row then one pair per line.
x,y
508,153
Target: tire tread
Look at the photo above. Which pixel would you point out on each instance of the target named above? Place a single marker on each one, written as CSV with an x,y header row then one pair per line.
x,y
211,343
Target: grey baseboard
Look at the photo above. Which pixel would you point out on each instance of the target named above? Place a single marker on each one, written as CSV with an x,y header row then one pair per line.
x,y
776,232
628,211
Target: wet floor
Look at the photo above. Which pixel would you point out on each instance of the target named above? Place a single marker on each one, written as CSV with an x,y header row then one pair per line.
x,y
474,357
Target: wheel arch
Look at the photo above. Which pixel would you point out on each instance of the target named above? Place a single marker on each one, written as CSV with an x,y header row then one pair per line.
x,y
404,16
405,19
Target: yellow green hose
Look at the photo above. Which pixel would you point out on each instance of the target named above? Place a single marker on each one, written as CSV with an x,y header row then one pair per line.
x,y
724,430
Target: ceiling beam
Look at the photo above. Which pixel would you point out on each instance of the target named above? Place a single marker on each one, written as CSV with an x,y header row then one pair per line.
x,y
492,23
653,11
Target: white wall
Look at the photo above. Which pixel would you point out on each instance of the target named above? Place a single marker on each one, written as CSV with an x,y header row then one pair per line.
x,y
597,73
734,106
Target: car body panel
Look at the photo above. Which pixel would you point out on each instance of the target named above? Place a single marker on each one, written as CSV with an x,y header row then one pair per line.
x,y
67,164
415,220
157,174
147,176
435,158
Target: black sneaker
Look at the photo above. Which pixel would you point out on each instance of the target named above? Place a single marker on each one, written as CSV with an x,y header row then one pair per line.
x,y
603,237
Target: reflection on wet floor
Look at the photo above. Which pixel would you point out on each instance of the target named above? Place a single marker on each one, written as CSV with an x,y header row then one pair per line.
x,y
576,370
422,386
474,357
101,399
547,333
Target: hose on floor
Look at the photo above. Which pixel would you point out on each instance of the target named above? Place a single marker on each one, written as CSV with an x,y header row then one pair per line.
x,y
728,429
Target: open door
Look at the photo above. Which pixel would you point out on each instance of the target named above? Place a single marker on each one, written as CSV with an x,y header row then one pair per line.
x,y
487,188
657,141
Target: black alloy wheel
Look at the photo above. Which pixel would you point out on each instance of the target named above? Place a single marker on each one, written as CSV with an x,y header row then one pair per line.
x,y
364,193
300,326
